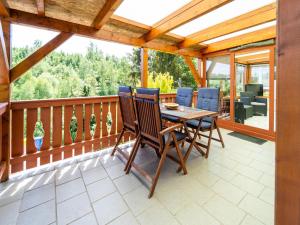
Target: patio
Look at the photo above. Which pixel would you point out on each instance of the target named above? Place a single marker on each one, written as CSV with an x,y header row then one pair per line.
x,y
234,185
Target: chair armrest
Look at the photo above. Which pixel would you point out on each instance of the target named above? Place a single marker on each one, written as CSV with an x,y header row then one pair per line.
x,y
261,100
170,129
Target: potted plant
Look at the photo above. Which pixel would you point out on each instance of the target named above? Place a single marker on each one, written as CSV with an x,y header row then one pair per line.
x,y
38,135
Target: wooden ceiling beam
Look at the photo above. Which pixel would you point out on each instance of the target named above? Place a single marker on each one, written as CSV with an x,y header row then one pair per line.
x,y
3,10
256,17
255,36
190,11
40,5
195,73
39,54
90,32
105,13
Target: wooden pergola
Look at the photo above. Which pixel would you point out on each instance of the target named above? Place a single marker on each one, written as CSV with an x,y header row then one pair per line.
x,y
95,19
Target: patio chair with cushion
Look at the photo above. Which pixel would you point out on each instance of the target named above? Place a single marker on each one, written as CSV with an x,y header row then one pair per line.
x,y
208,99
184,97
152,133
127,114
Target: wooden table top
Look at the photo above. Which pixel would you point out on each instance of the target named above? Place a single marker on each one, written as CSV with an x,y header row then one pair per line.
x,y
188,113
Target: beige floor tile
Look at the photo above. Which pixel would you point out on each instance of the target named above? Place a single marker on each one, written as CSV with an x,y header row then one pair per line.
x,y
259,209
248,172
88,219
249,220
40,180
193,214
11,193
90,164
37,196
268,180
125,219
68,173
9,213
127,183
100,189
224,211
226,162
107,160
73,209
239,158
207,178
116,171
266,168
43,214
268,195
93,175
229,191
69,190
248,185
222,171
158,216
138,200
109,208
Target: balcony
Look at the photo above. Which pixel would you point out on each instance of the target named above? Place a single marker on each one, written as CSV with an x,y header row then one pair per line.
x,y
76,181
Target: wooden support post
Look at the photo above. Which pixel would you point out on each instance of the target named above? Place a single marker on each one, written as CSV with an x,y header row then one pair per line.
x,y
193,69
144,67
39,54
200,71
4,99
287,191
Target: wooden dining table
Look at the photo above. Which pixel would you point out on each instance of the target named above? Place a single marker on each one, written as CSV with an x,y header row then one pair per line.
x,y
183,114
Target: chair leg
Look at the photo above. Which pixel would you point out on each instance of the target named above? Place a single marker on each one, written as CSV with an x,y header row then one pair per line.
x,y
161,162
220,135
132,154
209,141
118,142
179,154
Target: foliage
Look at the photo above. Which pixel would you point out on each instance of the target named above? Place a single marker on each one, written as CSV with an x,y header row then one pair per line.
x,y
73,128
38,130
61,75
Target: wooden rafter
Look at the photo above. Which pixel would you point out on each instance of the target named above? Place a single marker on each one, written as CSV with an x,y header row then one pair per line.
x,y
251,19
106,12
40,5
39,54
255,36
190,11
102,34
3,10
193,69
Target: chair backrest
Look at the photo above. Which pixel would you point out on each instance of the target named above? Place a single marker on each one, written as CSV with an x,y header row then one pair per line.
x,y
257,89
184,96
208,99
148,117
148,91
127,107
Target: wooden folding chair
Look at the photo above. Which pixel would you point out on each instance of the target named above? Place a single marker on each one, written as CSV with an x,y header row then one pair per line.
x,y
128,117
151,132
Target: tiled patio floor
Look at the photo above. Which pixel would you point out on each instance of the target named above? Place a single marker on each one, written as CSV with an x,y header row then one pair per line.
x,y
234,186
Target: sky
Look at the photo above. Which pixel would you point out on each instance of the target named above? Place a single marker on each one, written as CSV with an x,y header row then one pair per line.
x,y
147,12
24,35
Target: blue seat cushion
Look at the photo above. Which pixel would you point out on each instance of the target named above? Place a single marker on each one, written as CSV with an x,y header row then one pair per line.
x,y
179,136
208,99
170,118
184,96
195,123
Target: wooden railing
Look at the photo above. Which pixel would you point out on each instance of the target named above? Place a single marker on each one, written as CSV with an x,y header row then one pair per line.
x,y
98,122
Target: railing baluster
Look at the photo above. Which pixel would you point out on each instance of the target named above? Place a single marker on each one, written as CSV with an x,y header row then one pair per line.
x,y
57,132
97,135
46,119
113,110
104,137
79,116
30,147
68,113
87,128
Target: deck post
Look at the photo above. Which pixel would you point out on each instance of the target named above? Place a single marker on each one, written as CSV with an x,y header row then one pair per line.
x,y
5,61
287,199
144,67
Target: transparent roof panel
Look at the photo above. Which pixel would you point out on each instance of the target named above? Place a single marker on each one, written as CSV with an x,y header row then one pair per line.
x,y
148,11
245,31
226,12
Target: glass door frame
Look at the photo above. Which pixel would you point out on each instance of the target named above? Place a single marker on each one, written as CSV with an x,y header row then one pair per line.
x,y
231,124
